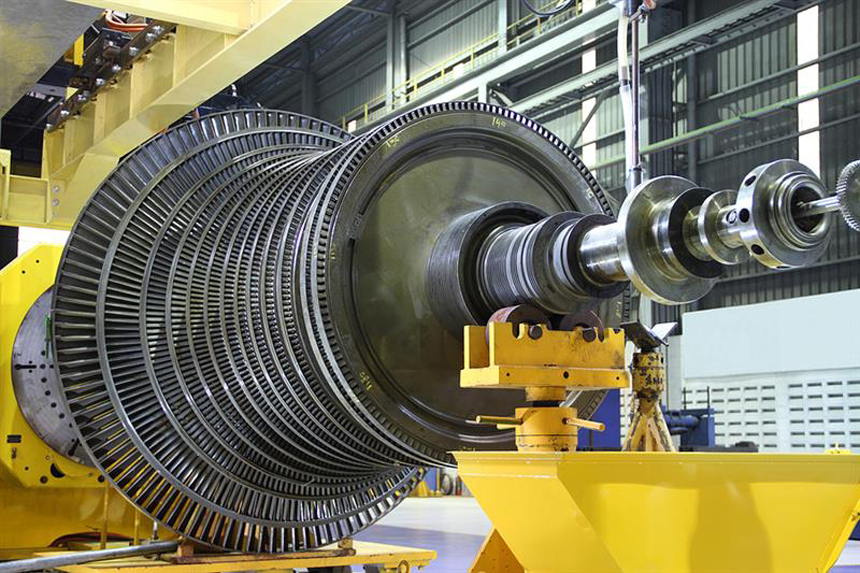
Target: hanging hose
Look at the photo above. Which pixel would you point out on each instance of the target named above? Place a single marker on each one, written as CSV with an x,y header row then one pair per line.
x,y
542,13
628,79
626,96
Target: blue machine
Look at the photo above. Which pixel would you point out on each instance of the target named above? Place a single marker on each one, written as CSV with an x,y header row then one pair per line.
x,y
609,413
696,426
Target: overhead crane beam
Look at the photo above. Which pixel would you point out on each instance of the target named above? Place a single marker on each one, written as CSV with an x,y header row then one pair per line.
x,y
214,45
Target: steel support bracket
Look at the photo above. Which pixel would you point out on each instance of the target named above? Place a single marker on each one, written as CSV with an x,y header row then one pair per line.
x,y
211,47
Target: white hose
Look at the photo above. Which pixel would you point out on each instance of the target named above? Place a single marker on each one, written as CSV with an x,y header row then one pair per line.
x,y
626,93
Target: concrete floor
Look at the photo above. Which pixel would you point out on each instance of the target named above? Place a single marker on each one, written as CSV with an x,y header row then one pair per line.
x,y
455,527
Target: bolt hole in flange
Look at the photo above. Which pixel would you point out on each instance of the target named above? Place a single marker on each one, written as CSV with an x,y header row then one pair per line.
x,y
744,215
775,233
37,386
57,472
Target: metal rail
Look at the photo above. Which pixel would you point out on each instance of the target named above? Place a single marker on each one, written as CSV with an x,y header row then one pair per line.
x,y
427,81
66,559
733,121
696,38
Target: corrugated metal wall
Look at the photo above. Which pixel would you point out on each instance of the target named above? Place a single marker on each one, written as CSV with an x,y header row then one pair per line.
x,y
730,83
440,33
445,33
744,75
352,85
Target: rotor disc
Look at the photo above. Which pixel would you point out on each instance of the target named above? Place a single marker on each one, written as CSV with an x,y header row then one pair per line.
x,y
220,317
37,384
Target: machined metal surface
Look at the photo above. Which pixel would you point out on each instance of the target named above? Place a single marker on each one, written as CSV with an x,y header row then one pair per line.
x,y
846,200
714,224
848,194
37,384
242,320
646,245
768,226
673,239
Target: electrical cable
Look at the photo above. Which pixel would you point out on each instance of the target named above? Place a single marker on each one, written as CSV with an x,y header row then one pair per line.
x,y
114,23
543,14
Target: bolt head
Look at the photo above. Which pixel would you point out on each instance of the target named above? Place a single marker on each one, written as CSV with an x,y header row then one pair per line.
x,y
535,331
133,52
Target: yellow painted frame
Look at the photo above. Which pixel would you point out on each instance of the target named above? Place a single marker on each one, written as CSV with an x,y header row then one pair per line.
x,y
683,512
214,44
495,358
36,508
388,558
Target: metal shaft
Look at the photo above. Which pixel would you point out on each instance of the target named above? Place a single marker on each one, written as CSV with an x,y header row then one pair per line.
x,y
56,561
817,207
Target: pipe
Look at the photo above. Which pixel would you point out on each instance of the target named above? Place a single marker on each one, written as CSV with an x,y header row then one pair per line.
x,y
635,170
731,122
56,561
629,81
625,92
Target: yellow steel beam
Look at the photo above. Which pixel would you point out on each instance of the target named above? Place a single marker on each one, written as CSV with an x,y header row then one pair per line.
x,y
179,73
227,16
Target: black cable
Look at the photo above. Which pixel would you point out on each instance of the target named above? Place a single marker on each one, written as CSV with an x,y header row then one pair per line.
x,y
553,12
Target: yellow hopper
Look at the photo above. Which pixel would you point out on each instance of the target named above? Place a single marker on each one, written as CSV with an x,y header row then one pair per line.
x,y
662,512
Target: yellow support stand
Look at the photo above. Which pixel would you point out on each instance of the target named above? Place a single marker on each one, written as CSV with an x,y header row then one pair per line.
x,y
679,512
36,506
555,510
546,365
648,431
496,557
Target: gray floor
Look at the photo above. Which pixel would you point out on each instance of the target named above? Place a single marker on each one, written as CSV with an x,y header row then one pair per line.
x,y
455,528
